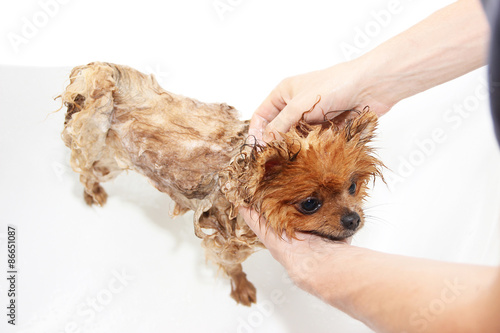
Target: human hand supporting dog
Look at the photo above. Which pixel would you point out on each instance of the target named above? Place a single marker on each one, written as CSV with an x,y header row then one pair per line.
x,y
327,90
451,42
299,256
357,281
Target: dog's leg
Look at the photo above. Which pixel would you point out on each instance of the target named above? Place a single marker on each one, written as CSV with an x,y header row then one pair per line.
x,y
242,290
228,244
93,193
228,255
102,170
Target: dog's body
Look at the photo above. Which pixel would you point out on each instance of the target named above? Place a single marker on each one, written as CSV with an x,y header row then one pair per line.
x,y
120,119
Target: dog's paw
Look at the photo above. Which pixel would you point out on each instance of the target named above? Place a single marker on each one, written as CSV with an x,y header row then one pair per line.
x,y
98,196
243,291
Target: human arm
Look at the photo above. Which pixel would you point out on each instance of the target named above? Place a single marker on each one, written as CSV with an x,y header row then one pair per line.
x,y
389,293
447,44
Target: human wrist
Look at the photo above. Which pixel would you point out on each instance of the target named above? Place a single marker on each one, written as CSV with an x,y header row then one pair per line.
x,y
327,274
378,87
416,60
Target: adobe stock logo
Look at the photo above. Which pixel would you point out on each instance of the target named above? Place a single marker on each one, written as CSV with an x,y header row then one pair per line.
x,y
371,29
222,7
87,311
33,24
264,309
451,291
424,148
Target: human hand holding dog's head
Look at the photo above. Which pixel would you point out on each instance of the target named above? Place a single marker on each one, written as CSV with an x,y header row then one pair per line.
x,y
327,93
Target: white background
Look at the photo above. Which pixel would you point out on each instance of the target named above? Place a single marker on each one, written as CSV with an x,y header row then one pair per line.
x,y
441,200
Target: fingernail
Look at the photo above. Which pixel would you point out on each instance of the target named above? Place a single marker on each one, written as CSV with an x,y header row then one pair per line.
x,y
255,135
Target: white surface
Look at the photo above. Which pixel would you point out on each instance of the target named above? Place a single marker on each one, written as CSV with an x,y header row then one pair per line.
x,y
446,207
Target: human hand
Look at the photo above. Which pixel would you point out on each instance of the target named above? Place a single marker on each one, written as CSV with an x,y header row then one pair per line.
x,y
338,88
303,257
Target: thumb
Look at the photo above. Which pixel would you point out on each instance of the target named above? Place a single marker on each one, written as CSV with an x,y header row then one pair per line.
x,y
282,123
259,226
253,219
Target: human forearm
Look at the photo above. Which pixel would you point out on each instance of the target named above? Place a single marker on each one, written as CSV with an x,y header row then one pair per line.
x,y
446,45
449,43
389,293
393,293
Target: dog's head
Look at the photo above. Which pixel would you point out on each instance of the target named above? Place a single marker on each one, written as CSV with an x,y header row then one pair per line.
x,y
312,181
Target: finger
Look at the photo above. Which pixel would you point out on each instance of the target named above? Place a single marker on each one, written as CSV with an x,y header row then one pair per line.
x,y
256,129
271,106
252,218
265,113
259,226
282,123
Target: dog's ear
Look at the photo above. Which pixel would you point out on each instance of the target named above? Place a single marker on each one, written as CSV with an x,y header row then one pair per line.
x,y
275,160
362,128
273,167
252,171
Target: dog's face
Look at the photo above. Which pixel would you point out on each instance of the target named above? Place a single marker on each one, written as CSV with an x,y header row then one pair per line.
x,y
315,180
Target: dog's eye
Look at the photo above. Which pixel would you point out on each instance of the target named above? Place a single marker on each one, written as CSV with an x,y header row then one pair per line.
x,y
309,205
352,188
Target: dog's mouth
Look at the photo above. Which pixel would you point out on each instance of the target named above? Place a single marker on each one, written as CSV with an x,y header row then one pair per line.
x,y
335,238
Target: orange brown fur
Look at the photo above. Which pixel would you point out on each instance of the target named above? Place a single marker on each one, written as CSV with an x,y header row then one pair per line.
x,y
120,119
320,161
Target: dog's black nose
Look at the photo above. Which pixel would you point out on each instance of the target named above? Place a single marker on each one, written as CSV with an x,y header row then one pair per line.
x,y
350,220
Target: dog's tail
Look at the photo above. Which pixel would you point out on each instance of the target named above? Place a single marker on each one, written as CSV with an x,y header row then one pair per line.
x,y
89,99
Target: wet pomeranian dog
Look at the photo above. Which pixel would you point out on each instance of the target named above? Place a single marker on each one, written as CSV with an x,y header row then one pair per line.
x,y
313,180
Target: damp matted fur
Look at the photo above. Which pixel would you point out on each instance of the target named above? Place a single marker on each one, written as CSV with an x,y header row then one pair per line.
x,y
120,119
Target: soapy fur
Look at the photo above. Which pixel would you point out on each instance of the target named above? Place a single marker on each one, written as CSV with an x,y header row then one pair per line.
x,y
198,153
